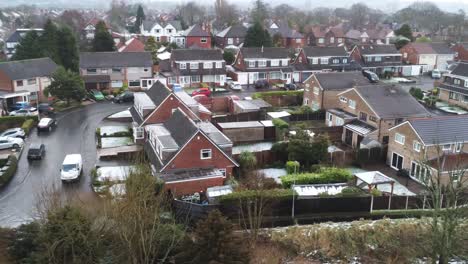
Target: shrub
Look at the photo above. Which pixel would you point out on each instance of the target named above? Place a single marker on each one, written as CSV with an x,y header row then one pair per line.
x,y
351,191
416,93
280,123
27,125
376,192
280,151
105,93
328,175
316,168
13,121
292,167
273,194
10,172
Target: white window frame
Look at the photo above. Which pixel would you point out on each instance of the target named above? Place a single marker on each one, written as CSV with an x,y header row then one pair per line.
x,y
275,63
339,121
458,146
421,175
182,65
315,60
207,65
332,40
251,63
284,62
32,81
194,65
343,99
416,146
352,104
316,90
400,138
336,61
323,60
139,132
219,64
206,151
204,40
444,147
345,60
456,81
223,172
195,78
230,41
321,40
262,63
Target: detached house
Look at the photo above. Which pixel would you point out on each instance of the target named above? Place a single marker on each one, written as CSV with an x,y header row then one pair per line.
x,y
190,67
317,59
325,36
231,36
454,86
378,58
198,37
426,146
253,64
105,70
434,55
368,112
14,39
288,38
322,89
24,80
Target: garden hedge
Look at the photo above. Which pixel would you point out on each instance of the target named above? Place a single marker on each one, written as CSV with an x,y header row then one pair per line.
x,y
273,194
261,95
14,121
27,125
326,175
10,172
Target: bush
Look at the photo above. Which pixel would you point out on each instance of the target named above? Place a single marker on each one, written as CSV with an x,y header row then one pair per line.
x,y
273,194
376,192
280,123
13,121
280,151
292,167
351,191
316,168
328,175
27,125
10,172
416,93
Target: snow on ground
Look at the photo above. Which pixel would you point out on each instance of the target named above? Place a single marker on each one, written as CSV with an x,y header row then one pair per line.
x,y
256,147
111,142
123,114
273,173
117,190
110,130
114,173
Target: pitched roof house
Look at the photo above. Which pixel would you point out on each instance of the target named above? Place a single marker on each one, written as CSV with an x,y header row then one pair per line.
x,y
190,67
233,35
25,79
375,108
378,58
188,155
424,146
325,36
253,64
103,70
461,51
13,40
288,38
434,55
132,45
198,36
454,86
164,31
322,89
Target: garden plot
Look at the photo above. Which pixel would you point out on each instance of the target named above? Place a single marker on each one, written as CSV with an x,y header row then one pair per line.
x,y
273,173
112,142
114,173
110,131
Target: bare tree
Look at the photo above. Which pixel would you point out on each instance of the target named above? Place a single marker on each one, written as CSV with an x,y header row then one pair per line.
x,y
226,14
191,13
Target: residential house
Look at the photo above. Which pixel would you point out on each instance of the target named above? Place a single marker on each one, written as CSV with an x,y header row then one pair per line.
x,y
317,59
14,39
322,89
379,35
161,31
190,67
90,28
24,80
434,55
454,86
253,64
378,58
426,146
188,155
368,112
461,51
231,36
325,36
104,70
132,45
287,37
198,36
354,36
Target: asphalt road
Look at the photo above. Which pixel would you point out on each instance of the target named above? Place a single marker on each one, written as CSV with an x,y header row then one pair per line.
x,y
75,133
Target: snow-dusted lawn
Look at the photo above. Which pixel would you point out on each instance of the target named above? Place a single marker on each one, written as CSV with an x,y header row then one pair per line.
x,y
123,114
273,173
111,130
114,173
110,142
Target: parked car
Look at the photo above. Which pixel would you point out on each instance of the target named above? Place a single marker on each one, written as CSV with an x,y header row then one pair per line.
x,y
72,167
436,74
29,111
46,124
96,95
229,80
204,91
406,80
20,105
45,108
373,78
10,142
236,86
124,97
262,84
36,151
14,132
290,87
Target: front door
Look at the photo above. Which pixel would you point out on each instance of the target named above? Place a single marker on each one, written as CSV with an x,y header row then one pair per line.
x,y
397,161
349,137
330,119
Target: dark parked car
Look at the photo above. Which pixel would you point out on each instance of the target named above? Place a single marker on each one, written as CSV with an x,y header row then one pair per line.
x,y
124,97
262,84
46,124
45,108
290,87
36,151
373,78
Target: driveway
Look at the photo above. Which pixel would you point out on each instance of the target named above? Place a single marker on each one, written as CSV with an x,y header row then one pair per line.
x,y
75,133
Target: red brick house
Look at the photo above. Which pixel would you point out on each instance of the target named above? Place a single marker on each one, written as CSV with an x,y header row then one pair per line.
x,y
325,36
288,37
378,58
231,36
432,55
198,36
132,45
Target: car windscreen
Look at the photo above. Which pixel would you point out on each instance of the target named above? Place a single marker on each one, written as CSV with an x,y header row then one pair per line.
x,y
34,151
69,167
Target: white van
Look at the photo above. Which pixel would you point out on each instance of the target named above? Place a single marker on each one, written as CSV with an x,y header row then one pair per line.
x,y
71,168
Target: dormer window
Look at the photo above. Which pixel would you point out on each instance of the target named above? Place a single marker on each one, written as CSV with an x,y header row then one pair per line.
x,y
182,66
207,65
275,63
193,65
252,64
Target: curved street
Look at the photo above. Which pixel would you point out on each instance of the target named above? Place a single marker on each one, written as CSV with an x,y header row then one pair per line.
x,y
75,133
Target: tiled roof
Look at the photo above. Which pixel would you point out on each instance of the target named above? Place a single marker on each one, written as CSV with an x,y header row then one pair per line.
x,y
26,69
266,53
341,80
133,45
431,48
17,35
158,93
135,116
197,31
196,54
115,59
181,127
370,49
284,31
442,130
236,31
391,101
325,51
461,69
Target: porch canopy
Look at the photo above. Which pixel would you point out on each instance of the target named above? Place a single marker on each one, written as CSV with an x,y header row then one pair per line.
x,y
372,179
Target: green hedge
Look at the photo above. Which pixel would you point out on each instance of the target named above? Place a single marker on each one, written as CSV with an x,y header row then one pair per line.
x,y
326,175
27,125
273,194
10,172
280,123
261,95
14,121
